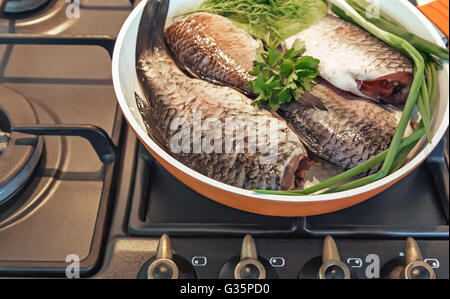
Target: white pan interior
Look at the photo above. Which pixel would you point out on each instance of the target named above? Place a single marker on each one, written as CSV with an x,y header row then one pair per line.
x,y
126,83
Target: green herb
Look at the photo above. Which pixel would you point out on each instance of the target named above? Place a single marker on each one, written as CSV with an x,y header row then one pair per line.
x,y
408,147
423,104
349,174
270,20
280,78
386,23
396,155
426,49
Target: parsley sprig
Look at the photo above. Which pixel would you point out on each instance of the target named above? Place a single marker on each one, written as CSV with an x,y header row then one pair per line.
x,y
280,78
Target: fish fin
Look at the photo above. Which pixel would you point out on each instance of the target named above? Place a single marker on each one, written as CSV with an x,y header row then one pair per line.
x,y
143,106
310,101
151,28
192,72
307,101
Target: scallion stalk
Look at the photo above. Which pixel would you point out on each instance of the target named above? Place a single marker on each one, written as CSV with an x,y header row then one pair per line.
x,y
424,108
426,97
402,157
432,74
386,23
425,118
405,47
398,144
349,174
407,147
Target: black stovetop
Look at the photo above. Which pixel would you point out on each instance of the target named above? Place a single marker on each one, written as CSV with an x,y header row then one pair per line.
x,y
158,203
112,216
413,207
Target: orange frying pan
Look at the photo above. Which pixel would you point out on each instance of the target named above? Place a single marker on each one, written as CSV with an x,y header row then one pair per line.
x,y
126,84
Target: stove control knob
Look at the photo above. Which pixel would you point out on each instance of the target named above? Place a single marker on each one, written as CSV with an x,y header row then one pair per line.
x,y
416,268
249,267
332,266
163,267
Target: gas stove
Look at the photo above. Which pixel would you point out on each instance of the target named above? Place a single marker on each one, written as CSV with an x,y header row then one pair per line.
x,y
81,197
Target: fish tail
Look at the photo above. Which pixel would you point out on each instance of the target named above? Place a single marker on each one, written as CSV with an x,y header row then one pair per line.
x,y
151,28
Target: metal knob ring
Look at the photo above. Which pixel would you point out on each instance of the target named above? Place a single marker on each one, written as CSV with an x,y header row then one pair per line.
x,y
247,262
153,267
163,258
323,269
414,260
408,272
331,258
249,257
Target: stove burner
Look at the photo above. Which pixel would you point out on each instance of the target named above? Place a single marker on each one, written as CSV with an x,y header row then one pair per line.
x,y
21,6
21,156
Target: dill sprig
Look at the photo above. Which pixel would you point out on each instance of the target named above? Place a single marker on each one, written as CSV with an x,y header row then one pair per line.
x,y
270,20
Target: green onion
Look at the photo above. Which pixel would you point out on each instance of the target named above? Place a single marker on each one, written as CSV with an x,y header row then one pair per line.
x,y
394,155
426,97
363,168
386,23
407,147
423,105
432,76
402,156
405,47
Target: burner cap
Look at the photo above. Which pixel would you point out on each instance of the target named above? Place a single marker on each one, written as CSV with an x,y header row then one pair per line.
x,y
20,6
22,153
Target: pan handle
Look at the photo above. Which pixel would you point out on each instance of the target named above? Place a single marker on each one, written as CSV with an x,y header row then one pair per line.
x,y
437,12
99,139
